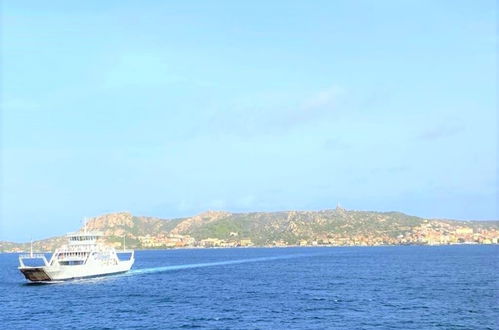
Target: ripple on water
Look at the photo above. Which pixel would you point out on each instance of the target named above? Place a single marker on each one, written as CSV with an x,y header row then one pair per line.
x,y
397,287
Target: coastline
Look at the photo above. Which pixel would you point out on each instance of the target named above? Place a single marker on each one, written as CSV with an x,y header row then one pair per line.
x,y
279,247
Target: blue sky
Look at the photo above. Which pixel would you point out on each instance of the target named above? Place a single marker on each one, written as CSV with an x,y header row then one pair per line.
x,y
170,108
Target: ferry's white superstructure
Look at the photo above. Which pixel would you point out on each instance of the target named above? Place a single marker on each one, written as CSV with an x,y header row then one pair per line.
x,y
83,256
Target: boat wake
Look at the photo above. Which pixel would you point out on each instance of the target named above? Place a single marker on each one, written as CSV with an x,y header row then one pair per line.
x,y
142,271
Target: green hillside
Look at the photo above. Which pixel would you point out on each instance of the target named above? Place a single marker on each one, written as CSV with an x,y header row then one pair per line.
x,y
336,226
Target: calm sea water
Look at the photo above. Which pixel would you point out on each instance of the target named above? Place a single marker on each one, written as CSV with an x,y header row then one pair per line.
x,y
449,287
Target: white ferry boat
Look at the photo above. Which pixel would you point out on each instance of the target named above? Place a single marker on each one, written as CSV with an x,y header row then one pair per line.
x,y
83,256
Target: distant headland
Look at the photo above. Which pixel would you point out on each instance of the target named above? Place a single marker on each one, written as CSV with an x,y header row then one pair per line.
x,y
336,227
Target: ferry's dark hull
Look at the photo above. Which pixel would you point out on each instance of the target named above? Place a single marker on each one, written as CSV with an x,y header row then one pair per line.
x,y
38,274
35,274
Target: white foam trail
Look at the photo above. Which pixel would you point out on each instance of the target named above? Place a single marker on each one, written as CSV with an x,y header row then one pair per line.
x,y
212,264
179,267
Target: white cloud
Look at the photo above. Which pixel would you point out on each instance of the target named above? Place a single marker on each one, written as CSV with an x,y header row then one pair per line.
x,y
18,105
139,69
287,112
325,98
247,201
441,131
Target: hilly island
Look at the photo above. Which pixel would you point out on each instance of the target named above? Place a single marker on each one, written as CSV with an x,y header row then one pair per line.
x,y
336,227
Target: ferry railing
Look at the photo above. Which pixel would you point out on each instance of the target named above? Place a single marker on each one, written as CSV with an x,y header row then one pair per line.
x,y
131,252
125,251
32,256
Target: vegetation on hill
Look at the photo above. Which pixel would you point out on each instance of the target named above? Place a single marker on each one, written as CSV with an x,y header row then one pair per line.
x,y
263,228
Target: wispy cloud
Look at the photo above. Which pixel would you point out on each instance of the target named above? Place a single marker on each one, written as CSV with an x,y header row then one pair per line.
x,y
152,67
441,131
18,105
335,144
283,114
326,98
318,106
138,69
390,169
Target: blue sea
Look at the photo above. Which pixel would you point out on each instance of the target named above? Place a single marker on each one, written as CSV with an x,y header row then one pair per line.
x,y
403,287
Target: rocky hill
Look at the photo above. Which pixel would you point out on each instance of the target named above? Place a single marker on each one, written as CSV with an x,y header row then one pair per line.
x,y
330,227
261,227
